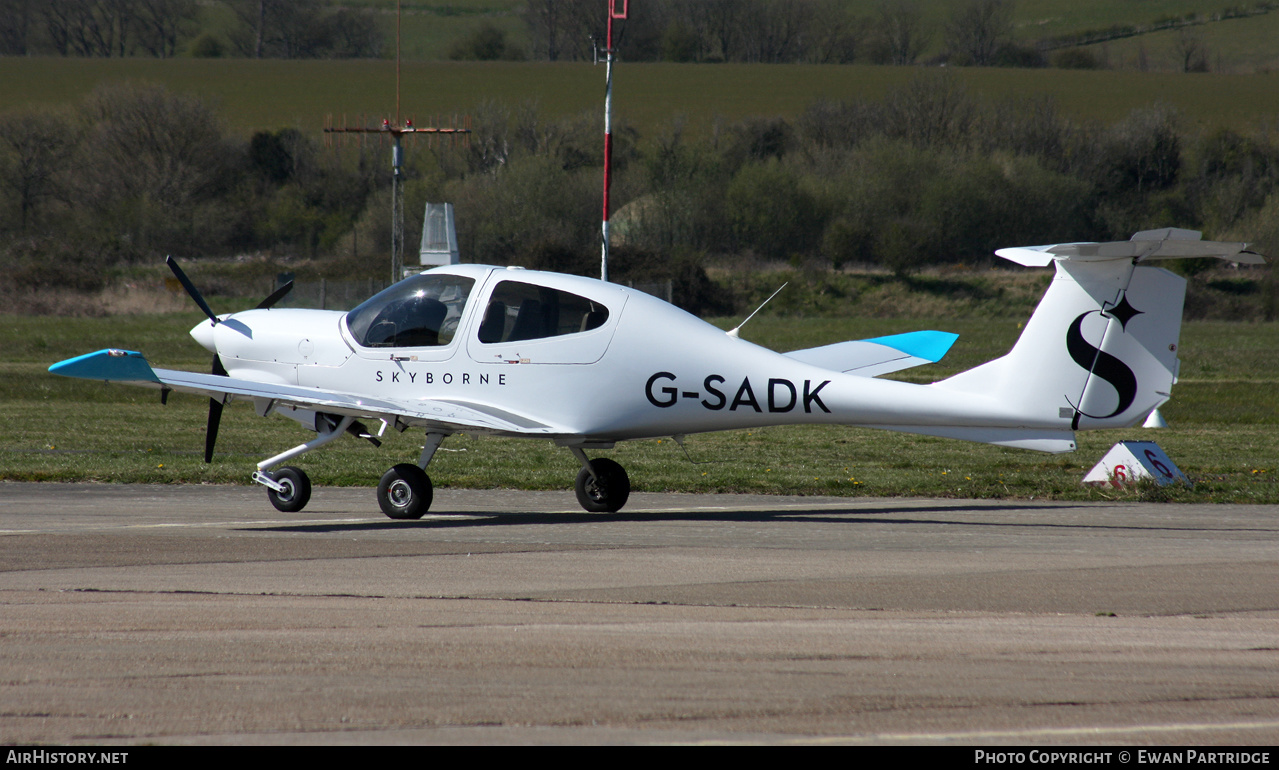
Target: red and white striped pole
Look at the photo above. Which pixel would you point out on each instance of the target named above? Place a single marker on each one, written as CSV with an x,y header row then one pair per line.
x,y
613,13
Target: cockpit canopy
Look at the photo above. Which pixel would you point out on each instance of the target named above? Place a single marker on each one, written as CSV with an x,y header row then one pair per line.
x,y
421,311
425,311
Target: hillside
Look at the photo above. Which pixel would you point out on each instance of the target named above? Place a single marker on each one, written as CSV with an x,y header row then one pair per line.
x,y
301,93
1232,37
1237,41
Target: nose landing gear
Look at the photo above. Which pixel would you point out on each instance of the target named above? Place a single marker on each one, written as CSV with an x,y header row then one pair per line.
x,y
405,491
292,490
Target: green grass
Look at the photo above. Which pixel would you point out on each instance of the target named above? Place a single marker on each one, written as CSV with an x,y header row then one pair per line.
x,y
1037,19
429,27
1233,45
1223,417
275,94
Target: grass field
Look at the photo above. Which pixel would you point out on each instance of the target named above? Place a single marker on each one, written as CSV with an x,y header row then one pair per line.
x,y
273,94
1223,417
428,27
1233,45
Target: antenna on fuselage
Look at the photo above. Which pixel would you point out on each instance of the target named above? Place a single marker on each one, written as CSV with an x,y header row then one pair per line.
x,y
733,332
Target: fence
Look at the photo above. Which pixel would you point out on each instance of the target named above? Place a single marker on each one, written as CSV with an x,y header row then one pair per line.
x,y
659,289
332,295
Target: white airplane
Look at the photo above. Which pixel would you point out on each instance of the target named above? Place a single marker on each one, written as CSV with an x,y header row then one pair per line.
x,y
585,364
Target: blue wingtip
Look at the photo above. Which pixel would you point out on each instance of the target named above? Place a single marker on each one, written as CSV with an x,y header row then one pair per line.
x,y
928,345
109,364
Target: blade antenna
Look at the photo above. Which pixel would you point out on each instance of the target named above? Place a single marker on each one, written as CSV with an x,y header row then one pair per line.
x,y
733,332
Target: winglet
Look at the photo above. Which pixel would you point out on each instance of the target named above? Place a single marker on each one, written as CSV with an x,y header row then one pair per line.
x,y
928,345
110,364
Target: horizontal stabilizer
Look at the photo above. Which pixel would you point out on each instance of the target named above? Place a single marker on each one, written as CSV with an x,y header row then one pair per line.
x,y
879,355
1168,243
111,365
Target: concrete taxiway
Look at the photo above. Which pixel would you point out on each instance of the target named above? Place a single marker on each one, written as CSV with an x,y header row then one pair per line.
x,y
199,614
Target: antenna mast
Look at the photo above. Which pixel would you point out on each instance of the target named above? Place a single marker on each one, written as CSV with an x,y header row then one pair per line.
x,y
613,13
396,130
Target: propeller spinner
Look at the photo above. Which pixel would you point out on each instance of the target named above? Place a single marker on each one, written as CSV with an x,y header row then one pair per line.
x,y
203,334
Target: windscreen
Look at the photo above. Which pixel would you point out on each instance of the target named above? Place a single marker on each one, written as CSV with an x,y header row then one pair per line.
x,y
421,311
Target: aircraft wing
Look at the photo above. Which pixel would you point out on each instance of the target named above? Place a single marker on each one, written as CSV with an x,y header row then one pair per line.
x,y
131,367
879,355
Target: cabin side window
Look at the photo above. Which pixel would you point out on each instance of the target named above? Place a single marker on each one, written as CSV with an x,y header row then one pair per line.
x,y
522,311
422,311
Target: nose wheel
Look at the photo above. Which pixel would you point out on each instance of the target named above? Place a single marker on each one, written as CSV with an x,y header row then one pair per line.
x,y
603,486
405,492
294,490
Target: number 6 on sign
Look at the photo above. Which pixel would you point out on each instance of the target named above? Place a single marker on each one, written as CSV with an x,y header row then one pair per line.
x,y
1153,459
1118,477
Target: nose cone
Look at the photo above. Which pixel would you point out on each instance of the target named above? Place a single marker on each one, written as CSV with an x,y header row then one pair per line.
x,y
203,334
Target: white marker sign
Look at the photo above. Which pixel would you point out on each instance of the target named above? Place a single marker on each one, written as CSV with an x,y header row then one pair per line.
x,y
1128,461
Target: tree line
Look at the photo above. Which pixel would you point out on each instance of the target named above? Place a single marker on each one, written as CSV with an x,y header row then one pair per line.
x,y
929,175
557,30
164,28
977,32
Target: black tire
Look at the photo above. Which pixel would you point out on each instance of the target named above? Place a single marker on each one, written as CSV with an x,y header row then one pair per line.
x,y
405,492
608,491
297,489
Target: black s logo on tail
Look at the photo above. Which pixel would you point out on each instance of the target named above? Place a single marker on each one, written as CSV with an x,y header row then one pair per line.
x,y
1102,364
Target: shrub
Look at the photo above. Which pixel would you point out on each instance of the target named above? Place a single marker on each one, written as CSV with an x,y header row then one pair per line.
x,y
770,211
485,43
1075,59
1141,154
207,46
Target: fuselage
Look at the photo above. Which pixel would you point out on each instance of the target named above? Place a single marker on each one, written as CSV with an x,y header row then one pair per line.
x,y
583,357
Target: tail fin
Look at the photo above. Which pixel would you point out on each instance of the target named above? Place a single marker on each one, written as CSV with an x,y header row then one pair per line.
x,y
1100,351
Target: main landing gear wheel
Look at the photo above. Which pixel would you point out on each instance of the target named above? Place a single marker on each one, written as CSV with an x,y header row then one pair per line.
x,y
608,491
296,493
405,492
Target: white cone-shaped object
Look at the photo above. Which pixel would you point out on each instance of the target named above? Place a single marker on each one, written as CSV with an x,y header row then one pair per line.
x,y
1155,420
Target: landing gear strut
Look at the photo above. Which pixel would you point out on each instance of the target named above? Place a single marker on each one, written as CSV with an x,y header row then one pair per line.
x,y
405,491
289,488
602,485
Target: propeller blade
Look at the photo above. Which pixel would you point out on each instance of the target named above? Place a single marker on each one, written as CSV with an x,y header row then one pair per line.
x,y
215,414
276,296
211,434
190,287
